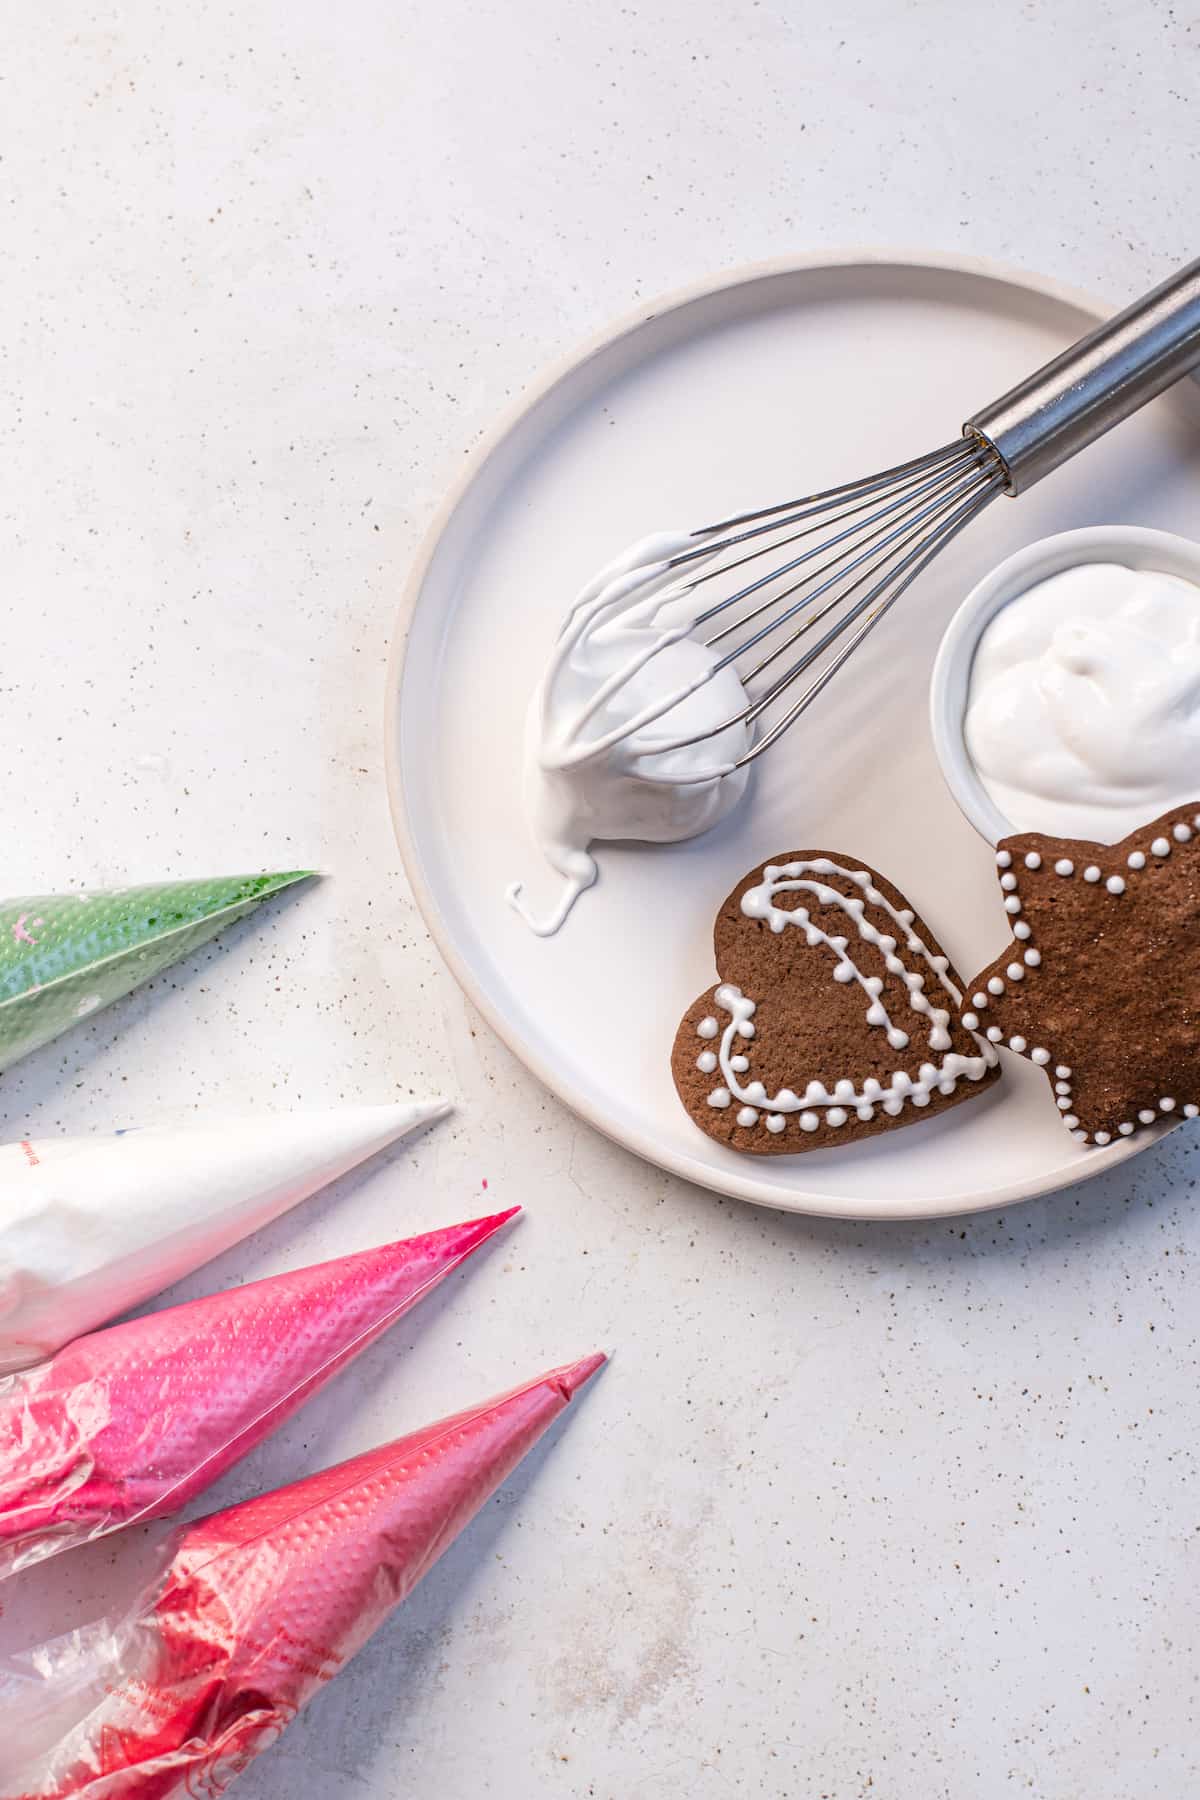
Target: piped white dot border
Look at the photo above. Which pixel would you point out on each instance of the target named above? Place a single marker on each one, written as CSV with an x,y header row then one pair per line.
x,y
1157,850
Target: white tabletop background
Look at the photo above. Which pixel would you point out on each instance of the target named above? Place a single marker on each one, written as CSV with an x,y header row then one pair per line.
x,y
905,1511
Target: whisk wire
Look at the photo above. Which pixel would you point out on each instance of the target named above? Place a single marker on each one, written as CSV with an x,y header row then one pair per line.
x,y
904,532
908,571
872,538
964,449
894,516
912,513
911,491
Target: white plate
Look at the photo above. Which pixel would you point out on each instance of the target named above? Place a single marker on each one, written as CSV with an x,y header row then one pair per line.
x,y
748,390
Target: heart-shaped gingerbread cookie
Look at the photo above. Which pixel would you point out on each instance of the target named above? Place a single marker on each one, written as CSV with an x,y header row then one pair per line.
x,y
836,1015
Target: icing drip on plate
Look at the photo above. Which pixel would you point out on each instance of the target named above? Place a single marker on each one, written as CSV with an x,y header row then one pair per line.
x,y
606,750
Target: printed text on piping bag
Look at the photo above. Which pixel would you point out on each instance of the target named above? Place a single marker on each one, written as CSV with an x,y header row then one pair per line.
x,y
64,956
257,1608
135,1421
90,1227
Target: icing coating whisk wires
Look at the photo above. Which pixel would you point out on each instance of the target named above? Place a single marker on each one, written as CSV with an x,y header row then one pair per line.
x,y
848,555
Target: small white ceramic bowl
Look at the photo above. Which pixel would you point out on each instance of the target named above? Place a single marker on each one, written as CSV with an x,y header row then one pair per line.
x,y
1134,545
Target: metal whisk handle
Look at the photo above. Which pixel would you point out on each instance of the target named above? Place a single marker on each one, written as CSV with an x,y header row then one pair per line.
x,y
1099,381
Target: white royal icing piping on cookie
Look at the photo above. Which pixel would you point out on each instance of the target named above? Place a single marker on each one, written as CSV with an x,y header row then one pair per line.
x,y
758,903
1116,885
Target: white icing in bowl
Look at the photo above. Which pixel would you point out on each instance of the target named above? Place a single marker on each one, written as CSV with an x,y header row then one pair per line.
x,y
1066,694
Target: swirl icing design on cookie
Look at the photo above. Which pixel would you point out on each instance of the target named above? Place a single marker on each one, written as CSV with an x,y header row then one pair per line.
x,y
848,1093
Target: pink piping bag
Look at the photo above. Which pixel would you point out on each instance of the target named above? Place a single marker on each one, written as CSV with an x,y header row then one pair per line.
x,y
133,1422
257,1608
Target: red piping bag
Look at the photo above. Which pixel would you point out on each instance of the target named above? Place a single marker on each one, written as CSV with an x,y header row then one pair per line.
x,y
133,1422
257,1608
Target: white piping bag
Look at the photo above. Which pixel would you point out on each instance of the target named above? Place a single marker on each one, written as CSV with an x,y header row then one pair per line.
x,y
92,1226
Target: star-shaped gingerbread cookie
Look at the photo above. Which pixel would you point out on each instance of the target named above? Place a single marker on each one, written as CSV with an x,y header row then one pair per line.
x,y
1101,984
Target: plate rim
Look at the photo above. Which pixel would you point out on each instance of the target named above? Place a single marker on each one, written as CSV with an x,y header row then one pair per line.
x,y
734,1184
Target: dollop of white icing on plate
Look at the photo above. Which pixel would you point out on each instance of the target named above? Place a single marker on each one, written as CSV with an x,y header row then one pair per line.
x,y
606,755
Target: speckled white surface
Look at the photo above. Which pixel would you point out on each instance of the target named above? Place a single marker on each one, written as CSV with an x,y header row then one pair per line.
x,y
906,1512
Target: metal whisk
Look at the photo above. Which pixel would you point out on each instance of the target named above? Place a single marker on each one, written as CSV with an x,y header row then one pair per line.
x,y
851,551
